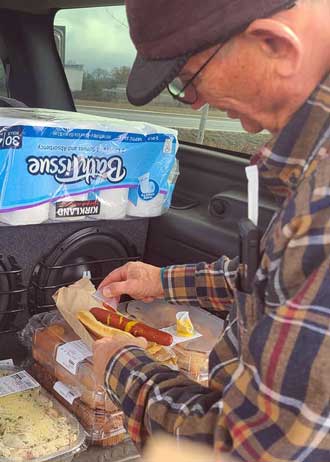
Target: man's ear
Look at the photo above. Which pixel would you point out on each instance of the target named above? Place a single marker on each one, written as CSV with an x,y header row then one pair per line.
x,y
278,42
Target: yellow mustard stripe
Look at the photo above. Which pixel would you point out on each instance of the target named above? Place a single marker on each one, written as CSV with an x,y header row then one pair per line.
x,y
129,325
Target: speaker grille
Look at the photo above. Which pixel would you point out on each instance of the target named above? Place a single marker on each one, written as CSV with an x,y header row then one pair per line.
x,y
89,249
12,293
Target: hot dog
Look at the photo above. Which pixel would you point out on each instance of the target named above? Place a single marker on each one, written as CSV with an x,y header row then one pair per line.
x,y
96,328
108,307
138,329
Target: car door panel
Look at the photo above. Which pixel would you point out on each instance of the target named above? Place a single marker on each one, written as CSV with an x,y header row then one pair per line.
x,y
209,200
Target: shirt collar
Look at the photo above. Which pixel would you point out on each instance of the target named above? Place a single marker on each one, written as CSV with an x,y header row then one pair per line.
x,y
295,152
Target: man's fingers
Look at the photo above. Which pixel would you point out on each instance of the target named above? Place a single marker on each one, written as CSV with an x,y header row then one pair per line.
x,y
116,289
99,344
142,342
148,299
117,275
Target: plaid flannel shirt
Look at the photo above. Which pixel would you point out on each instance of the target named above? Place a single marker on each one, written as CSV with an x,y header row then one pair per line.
x,y
268,398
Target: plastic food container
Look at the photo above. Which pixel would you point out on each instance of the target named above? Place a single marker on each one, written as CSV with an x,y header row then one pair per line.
x,y
192,355
35,427
45,347
102,427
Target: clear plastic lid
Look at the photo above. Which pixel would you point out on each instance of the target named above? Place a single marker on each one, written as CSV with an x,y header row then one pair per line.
x,y
161,314
192,355
45,348
99,424
36,427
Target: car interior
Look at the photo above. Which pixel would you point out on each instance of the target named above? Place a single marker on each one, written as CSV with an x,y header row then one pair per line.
x,y
209,198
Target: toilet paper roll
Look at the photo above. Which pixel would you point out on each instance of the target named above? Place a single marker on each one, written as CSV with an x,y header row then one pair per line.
x,y
113,203
146,209
29,216
69,210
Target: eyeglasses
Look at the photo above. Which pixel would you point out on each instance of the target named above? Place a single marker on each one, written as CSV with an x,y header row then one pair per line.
x,y
186,92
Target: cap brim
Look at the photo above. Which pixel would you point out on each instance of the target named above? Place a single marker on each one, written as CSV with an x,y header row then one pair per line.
x,y
148,78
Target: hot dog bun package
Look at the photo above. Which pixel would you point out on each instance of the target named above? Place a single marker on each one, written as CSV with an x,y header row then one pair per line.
x,y
193,350
64,166
64,367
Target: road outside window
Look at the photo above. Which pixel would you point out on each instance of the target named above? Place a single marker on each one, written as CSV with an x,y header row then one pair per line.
x,y
97,54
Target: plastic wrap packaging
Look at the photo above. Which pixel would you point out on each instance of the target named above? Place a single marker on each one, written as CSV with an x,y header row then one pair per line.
x,y
192,355
147,200
38,321
34,426
46,351
113,203
65,166
58,208
103,428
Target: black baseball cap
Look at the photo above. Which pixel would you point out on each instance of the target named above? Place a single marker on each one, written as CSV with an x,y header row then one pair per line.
x,y
166,33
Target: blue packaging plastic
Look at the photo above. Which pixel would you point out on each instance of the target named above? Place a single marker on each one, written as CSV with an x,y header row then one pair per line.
x,y
64,165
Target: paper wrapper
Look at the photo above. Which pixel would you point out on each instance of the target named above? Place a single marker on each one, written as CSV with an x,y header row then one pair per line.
x,y
74,298
79,297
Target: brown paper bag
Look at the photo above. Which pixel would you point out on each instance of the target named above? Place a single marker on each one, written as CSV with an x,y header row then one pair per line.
x,y
74,298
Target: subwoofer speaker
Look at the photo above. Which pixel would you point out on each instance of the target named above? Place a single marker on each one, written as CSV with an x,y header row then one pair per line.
x,y
88,250
47,256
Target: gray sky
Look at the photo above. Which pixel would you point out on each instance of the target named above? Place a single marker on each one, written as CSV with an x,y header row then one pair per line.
x,y
97,37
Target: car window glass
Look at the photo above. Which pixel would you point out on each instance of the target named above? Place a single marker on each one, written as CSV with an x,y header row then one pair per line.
x,y
3,84
97,53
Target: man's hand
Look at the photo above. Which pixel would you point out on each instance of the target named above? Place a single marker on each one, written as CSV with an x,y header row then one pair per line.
x,y
106,348
136,279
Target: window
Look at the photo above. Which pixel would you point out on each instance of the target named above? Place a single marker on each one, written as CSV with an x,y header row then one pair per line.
x,y
3,83
97,53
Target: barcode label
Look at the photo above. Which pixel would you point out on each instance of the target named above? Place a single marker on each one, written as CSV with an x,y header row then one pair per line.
x,y
16,383
71,354
68,393
6,362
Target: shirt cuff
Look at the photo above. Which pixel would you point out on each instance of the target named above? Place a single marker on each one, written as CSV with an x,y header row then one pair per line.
x,y
179,284
208,285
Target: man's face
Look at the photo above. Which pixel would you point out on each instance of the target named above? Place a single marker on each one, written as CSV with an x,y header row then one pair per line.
x,y
240,81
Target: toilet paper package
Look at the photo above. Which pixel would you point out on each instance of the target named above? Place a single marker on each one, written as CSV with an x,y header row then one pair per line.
x,y
64,166
147,199
113,203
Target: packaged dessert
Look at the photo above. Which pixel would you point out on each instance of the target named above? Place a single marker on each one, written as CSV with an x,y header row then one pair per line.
x,y
66,357
102,427
192,355
33,425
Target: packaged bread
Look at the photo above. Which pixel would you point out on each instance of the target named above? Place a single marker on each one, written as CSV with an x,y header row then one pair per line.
x,y
48,350
105,428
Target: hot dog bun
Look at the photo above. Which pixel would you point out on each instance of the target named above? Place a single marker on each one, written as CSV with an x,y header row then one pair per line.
x,y
98,329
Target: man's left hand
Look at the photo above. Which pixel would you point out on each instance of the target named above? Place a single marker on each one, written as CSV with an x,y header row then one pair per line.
x,y
106,348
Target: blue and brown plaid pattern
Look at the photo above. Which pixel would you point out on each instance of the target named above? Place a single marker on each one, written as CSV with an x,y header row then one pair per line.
x,y
269,393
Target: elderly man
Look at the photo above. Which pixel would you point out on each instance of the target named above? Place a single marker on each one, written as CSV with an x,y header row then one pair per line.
x,y
267,63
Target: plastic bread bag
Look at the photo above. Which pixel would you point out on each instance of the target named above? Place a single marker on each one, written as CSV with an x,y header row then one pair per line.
x,y
38,321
